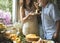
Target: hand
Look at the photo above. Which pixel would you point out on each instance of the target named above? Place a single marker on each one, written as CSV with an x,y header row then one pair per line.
x,y
36,5
30,14
55,37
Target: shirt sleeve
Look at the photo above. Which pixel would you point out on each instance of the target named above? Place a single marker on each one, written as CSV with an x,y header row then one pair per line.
x,y
55,14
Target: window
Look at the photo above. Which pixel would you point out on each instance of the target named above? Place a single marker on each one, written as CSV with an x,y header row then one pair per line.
x,y
6,4
5,11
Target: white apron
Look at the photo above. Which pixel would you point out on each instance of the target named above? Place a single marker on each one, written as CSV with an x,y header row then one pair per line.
x,y
30,26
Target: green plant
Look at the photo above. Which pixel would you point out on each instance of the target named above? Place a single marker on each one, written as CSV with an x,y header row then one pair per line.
x,y
6,4
22,38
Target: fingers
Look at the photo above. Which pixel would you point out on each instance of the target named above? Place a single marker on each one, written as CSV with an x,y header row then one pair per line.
x,y
36,4
54,35
30,14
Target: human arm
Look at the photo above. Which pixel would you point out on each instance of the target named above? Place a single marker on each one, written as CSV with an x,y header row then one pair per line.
x,y
56,18
22,15
38,8
56,34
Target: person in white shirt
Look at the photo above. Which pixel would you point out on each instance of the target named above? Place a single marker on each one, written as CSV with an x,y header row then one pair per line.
x,y
50,20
